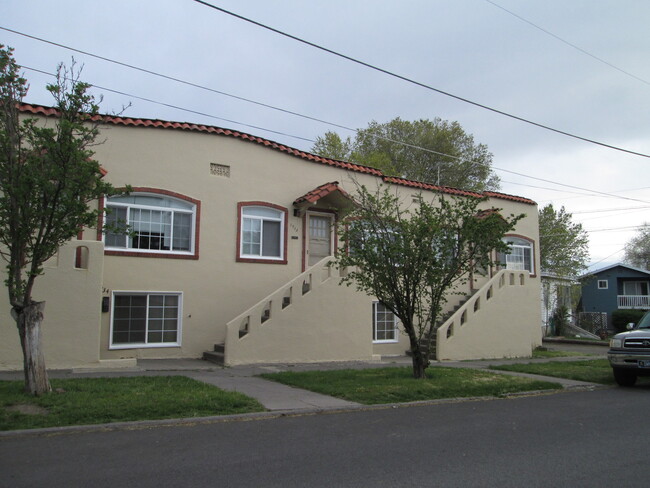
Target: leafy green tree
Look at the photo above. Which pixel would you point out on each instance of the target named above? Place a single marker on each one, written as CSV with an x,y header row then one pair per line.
x,y
411,256
436,151
563,244
637,250
330,145
47,180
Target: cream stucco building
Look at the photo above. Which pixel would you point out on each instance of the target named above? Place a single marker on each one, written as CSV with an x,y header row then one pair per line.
x,y
232,236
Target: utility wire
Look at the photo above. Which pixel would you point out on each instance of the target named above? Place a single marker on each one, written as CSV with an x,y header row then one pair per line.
x,y
154,73
609,210
605,258
311,140
176,107
177,80
418,83
568,43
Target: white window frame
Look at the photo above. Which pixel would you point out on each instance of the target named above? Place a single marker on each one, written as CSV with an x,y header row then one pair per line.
x,y
517,244
375,306
603,284
171,210
146,344
281,218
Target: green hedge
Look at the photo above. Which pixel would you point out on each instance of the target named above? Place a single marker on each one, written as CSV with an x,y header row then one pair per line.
x,y
620,318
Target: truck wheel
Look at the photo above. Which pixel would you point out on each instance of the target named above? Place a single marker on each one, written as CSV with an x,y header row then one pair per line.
x,y
624,377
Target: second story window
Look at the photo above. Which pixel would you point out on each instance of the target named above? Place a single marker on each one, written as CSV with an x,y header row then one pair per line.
x,y
262,233
150,223
520,256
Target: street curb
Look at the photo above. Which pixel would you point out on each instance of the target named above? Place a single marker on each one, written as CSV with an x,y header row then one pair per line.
x,y
256,416
575,341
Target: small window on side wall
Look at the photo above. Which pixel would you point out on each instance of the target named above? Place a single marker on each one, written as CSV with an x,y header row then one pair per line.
x,y
520,257
603,284
384,324
262,233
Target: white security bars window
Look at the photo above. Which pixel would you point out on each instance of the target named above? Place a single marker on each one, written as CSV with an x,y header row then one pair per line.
x,y
262,233
153,224
145,319
384,324
521,255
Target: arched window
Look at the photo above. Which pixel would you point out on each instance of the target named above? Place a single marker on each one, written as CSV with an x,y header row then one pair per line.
x,y
521,255
262,232
150,223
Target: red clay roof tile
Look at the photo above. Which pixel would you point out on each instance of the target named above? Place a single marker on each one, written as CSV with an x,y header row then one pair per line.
x,y
358,168
320,192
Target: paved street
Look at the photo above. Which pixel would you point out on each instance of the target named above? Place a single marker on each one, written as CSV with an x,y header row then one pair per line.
x,y
573,438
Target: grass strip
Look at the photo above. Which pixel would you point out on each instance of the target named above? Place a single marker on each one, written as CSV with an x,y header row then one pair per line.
x,y
593,371
85,401
544,354
397,385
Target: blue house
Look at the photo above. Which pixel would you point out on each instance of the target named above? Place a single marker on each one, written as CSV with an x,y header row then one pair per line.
x,y
615,287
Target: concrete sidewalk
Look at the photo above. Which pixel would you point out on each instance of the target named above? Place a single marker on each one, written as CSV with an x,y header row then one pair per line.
x,y
277,397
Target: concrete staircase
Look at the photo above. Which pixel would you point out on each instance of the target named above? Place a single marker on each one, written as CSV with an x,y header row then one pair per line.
x,y
430,345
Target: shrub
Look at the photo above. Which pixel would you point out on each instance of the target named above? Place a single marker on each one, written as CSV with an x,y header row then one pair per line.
x,y
620,318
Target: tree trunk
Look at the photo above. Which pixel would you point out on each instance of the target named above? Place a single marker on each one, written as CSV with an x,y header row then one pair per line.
x,y
29,321
420,365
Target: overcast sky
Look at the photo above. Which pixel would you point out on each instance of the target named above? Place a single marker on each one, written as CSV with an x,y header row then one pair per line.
x,y
588,74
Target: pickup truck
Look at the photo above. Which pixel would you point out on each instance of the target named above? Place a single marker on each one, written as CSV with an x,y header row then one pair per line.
x,y
629,352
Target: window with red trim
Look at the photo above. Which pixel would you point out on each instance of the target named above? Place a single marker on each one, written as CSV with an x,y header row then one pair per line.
x,y
262,233
150,223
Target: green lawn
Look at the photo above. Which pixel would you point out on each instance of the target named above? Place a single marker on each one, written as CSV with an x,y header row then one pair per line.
x,y
396,385
102,400
542,353
594,371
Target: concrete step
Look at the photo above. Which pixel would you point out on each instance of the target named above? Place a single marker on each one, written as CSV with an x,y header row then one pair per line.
x,y
217,356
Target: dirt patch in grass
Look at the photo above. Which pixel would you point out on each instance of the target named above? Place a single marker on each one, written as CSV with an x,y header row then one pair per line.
x,y
28,409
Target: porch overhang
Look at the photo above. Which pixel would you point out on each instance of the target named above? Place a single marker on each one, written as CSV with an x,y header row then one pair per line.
x,y
329,196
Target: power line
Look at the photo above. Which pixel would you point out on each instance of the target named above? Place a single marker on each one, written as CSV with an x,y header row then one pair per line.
x,y
568,43
605,258
570,186
178,80
546,188
311,140
608,196
611,229
176,107
418,83
609,210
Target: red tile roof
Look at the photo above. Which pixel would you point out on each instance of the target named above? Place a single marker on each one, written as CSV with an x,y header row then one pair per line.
x,y
163,124
321,192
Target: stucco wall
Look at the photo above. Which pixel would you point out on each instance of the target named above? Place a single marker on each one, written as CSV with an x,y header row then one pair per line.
x,y
72,311
327,322
505,323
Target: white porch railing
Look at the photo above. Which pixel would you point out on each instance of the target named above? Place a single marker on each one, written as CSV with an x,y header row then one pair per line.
x,y
634,301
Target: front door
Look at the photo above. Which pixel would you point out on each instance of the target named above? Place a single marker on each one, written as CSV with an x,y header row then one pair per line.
x,y
319,244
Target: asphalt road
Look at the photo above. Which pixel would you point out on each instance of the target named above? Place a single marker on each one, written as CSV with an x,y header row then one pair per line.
x,y
578,439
